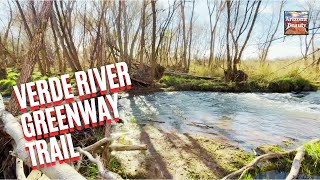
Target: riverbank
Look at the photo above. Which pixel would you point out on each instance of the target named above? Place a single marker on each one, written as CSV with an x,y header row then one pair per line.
x,y
175,82
234,123
174,155
188,83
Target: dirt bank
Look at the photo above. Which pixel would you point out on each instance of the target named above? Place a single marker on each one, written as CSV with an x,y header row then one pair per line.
x,y
175,155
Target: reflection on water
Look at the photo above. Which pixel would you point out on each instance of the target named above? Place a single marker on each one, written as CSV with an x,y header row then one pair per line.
x,y
247,118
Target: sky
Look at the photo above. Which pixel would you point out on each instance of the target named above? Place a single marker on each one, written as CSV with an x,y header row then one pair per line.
x,y
288,47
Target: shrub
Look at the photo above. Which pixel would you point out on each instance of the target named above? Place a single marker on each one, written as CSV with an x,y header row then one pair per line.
x,y
6,87
287,84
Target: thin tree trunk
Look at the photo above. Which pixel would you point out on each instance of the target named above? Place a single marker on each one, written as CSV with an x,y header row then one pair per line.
x,y
190,36
143,26
154,30
184,39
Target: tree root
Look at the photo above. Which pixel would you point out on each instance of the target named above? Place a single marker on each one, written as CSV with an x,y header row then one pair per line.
x,y
295,168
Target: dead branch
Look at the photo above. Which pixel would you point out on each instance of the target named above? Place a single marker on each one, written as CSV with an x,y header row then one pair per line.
x,y
256,161
294,168
98,144
13,128
35,174
103,172
20,170
128,147
296,164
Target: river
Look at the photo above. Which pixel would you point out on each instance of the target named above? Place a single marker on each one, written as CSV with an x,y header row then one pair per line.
x,y
248,119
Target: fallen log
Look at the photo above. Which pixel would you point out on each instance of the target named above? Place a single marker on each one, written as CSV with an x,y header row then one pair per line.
x,y
201,125
146,83
155,121
296,164
98,144
20,169
186,75
13,128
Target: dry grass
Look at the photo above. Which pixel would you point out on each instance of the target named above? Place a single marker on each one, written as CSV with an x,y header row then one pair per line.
x,y
272,70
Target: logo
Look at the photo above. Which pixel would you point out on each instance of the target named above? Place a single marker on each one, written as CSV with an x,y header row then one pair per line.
x,y
296,23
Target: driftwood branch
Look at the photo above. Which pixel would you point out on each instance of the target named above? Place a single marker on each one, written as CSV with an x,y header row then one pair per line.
x,y
98,144
296,164
128,147
255,162
20,170
295,168
114,147
13,128
103,172
34,175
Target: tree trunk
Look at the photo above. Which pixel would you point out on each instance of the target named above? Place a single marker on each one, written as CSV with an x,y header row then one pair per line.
x,y
228,72
184,39
32,54
143,26
154,30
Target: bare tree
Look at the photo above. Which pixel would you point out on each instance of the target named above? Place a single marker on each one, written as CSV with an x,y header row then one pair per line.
x,y
143,27
154,31
217,7
307,41
271,34
184,38
32,54
190,35
239,29
63,27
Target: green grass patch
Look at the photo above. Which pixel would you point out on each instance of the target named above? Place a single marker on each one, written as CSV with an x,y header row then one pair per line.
x,y
183,83
284,84
92,171
6,86
291,83
115,166
311,164
38,76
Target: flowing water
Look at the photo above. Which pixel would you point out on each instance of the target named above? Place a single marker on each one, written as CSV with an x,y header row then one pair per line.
x,y
249,119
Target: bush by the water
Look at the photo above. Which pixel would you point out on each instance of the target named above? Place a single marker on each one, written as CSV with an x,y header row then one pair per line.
x,y
311,164
182,83
288,84
6,86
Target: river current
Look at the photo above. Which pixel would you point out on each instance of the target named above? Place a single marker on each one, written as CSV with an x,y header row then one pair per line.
x,y
248,119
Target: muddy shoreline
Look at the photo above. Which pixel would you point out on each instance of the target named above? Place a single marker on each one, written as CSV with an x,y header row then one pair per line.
x,y
182,155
